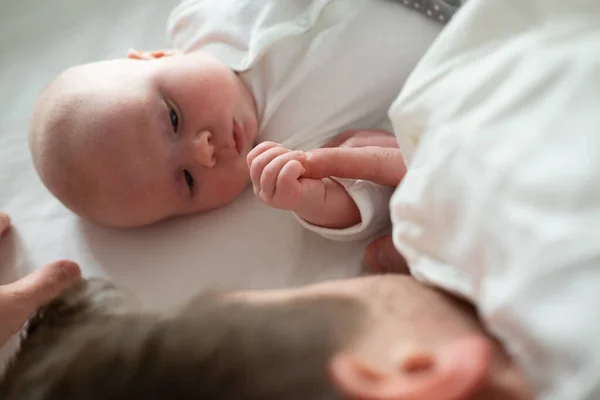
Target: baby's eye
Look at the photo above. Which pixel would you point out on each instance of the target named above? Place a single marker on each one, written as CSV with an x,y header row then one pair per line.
x,y
189,179
174,119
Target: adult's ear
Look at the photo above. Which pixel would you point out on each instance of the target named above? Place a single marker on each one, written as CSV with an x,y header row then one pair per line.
x,y
150,55
452,372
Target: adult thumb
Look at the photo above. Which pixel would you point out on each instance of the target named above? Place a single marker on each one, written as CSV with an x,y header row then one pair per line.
x,y
42,285
20,299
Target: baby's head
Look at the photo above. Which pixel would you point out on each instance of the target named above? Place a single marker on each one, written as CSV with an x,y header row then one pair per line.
x,y
128,142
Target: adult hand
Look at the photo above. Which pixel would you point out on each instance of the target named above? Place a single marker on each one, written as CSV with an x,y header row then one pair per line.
x,y
20,299
382,165
4,223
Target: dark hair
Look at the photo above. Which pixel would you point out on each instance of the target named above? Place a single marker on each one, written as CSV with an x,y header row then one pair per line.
x,y
215,348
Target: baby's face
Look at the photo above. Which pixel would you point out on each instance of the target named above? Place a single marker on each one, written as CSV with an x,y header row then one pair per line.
x,y
175,140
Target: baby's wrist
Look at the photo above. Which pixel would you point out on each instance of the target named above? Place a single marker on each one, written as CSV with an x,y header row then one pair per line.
x,y
330,208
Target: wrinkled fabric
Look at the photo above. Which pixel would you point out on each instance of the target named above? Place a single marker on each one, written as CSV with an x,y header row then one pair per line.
x,y
501,203
438,10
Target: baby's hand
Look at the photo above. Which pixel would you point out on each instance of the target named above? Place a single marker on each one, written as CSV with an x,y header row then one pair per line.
x,y
276,176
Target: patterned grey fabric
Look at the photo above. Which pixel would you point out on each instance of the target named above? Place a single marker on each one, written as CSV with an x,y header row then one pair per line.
x,y
438,10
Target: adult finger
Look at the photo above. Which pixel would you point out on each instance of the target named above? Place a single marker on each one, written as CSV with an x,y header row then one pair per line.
x,y
20,299
41,286
381,165
381,257
4,223
371,138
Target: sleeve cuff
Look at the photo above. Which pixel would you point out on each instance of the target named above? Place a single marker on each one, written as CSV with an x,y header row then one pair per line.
x,y
373,204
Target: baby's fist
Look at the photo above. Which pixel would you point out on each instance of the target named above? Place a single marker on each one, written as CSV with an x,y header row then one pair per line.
x,y
275,172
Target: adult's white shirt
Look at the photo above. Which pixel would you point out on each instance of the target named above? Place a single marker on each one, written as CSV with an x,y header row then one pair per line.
x,y
500,123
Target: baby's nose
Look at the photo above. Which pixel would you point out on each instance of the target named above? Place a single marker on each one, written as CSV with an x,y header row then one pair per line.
x,y
204,150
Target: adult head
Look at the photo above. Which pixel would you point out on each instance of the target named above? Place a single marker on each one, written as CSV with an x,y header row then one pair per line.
x,y
382,337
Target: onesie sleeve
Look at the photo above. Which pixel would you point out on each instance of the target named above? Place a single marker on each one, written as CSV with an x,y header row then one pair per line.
x,y
372,201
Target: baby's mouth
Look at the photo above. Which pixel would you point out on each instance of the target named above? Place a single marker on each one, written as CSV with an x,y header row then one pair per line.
x,y
238,136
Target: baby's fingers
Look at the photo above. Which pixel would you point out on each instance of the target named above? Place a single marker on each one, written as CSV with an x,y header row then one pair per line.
x,y
260,162
287,181
272,172
258,150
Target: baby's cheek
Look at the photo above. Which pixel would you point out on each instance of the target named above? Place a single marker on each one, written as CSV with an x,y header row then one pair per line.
x,y
230,183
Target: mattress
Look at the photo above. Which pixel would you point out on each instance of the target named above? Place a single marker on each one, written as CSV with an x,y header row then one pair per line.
x,y
245,245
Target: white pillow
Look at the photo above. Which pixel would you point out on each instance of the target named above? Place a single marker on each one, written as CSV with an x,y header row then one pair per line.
x,y
500,123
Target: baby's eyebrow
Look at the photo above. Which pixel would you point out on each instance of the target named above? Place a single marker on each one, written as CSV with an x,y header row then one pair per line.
x,y
152,113
142,115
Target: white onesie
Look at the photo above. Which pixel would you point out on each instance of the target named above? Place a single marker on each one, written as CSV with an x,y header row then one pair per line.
x,y
316,68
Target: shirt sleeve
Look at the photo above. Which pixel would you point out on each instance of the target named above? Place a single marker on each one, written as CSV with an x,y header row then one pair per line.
x,y
372,201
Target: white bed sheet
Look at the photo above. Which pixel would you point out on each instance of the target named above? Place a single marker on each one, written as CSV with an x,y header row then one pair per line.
x,y
245,245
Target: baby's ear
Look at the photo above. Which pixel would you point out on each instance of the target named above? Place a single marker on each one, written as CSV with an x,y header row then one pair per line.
x,y
150,55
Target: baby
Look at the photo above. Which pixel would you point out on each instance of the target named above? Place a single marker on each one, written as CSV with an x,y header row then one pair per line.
x,y
132,141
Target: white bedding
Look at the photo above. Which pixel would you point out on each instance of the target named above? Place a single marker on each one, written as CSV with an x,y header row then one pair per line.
x,y
246,245
501,204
